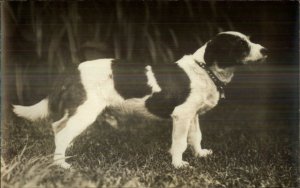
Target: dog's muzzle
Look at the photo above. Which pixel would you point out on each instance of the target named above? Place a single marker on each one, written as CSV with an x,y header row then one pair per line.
x,y
258,54
264,52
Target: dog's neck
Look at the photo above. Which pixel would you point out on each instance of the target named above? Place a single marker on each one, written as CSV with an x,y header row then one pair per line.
x,y
199,54
224,74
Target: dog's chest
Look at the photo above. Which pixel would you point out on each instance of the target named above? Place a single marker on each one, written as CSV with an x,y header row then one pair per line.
x,y
210,101
204,92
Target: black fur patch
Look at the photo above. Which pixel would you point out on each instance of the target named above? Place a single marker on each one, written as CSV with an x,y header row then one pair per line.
x,y
175,88
226,50
68,93
130,79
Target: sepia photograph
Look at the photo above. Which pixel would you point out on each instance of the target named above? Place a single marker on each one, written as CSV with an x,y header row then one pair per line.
x,y
149,93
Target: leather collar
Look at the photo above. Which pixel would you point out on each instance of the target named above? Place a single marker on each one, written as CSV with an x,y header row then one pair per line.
x,y
219,84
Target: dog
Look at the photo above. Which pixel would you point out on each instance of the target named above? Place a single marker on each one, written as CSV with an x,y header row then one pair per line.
x,y
180,91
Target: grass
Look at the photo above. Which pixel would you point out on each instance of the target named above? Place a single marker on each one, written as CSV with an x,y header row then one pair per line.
x,y
135,155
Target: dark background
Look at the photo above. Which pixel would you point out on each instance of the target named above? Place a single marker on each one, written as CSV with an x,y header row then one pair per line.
x,y
254,132
42,39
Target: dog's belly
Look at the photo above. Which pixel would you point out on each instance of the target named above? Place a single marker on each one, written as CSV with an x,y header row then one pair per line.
x,y
134,106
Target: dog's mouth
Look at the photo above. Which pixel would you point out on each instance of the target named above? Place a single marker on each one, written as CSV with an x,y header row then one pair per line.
x,y
258,61
263,59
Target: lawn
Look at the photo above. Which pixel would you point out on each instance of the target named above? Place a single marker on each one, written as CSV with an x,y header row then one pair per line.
x,y
255,144
136,155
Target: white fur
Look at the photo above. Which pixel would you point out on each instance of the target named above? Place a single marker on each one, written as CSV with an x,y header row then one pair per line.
x,y
197,102
200,81
96,77
85,115
203,97
195,137
135,106
199,54
151,80
97,80
58,125
241,35
255,52
225,75
34,112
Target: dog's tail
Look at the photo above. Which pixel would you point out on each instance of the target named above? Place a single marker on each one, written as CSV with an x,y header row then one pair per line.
x,y
37,111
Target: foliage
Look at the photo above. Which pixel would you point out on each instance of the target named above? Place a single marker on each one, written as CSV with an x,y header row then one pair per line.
x,y
55,36
135,155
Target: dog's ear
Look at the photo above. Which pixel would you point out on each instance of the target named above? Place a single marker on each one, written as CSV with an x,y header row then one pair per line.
x,y
219,50
216,51
209,53
225,50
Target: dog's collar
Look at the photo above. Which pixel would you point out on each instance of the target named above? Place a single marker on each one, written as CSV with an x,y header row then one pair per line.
x,y
219,84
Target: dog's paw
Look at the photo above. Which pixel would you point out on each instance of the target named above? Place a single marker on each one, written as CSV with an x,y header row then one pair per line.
x,y
63,164
180,164
203,153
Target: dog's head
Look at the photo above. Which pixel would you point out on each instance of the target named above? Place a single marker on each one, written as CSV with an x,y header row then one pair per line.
x,y
231,48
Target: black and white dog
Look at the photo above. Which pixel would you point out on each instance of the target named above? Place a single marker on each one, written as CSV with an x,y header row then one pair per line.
x,y
182,91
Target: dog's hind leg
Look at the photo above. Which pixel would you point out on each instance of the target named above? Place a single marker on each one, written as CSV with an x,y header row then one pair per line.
x,y
85,115
195,137
59,125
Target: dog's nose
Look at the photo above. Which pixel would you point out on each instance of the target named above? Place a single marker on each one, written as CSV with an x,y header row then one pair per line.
x,y
264,51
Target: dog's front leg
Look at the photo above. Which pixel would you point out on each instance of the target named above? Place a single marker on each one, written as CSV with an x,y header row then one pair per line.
x,y
181,126
195,137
